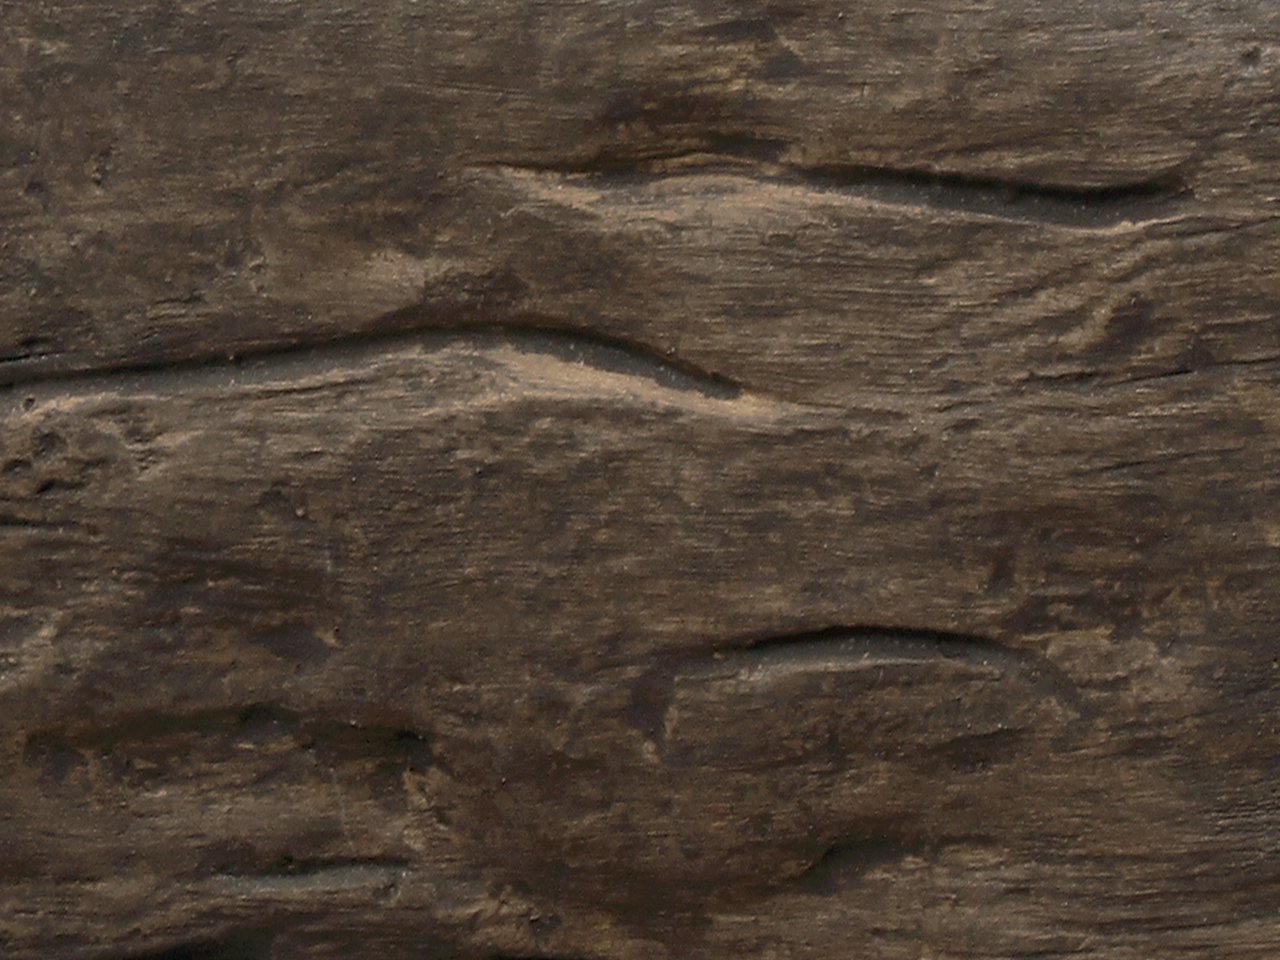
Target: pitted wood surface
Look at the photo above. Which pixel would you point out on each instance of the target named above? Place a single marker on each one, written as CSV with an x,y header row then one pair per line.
x,y
511,480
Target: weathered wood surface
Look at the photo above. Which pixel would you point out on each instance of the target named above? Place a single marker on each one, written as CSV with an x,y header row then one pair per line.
x,y
205,179
639,481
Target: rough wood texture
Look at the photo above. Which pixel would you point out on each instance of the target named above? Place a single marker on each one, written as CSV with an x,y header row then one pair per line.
x,y
639,481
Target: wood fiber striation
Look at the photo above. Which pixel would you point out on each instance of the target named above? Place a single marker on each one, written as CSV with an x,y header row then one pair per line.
x,y
639,481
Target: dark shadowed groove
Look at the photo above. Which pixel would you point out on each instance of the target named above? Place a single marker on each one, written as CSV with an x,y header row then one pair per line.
x,y
937,641
1149,199
865,645
1095,380
255,721
377,876
58,365
836,646
417,325
236,945
610,354
1153,198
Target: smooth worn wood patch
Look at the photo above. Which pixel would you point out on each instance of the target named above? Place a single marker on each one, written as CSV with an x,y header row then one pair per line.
x,y
502,480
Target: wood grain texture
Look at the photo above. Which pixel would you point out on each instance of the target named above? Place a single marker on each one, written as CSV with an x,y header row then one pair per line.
x,y
208,179
460,607
504,480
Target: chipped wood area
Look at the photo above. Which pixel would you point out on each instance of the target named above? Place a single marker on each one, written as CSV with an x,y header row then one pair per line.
x,y
639,481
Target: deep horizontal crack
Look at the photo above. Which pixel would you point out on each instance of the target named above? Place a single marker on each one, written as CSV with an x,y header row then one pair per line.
x,y
235,945
529,334
865,645
1068,205
1089,207
547,335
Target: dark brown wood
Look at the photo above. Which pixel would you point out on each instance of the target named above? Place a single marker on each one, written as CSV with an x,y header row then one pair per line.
x,y
507,480
210,179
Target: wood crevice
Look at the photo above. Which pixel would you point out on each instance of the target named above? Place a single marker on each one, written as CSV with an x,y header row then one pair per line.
x,y
546,335
254,944
840,647
1159,197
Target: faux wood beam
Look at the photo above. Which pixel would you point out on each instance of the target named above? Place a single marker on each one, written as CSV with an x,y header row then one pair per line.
x,y
506,480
